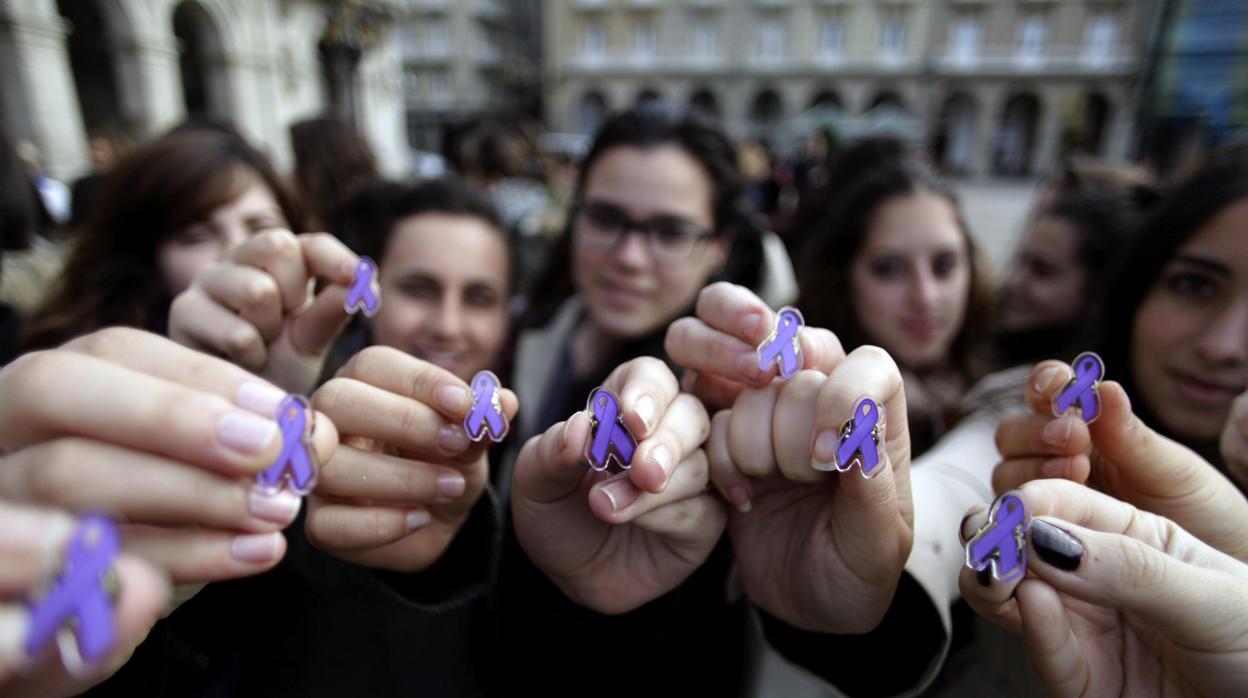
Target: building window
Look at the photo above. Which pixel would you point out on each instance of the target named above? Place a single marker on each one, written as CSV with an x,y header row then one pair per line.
x,y
645,39
964,37
893,38
1029,42
1098,40
440,86
831,38
770,39
705,42
593,39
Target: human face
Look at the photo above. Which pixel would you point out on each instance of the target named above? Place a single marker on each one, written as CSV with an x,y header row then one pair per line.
x,y
628,290
1046,283
1189,342
196,246
444,278
911,280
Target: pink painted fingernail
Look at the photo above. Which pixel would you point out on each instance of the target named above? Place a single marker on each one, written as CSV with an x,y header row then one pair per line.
x,y
417,519
452,439
258,397
750,324
279,507
258,547
451,398
451,485
245,432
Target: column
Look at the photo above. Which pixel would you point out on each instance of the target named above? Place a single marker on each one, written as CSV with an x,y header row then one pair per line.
x,y
150,80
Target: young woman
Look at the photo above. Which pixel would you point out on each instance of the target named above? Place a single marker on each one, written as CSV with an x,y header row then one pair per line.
x,y
167,211
894,265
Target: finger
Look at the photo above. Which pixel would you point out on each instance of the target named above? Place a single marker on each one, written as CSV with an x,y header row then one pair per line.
x,y
89,476
31,543
732,484
695,522
279,253
750,437
618,499
199,322
695,345
990,597
1012,473
714,392
314,328
737,312
57,393
646,388
1051,642
551,466
247,291
682,431
793,424
357,527
358,474
360,409
1042,435
1046,380
392,370
327,258
191,555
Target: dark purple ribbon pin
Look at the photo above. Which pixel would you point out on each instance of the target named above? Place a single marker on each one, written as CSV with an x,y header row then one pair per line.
x,y
80,602
1000,541
783,346
296,464
365,293
610,438
862,439
1089,371
486,414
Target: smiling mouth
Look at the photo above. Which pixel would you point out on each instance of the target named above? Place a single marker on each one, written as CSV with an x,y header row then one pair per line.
x,y
1201,391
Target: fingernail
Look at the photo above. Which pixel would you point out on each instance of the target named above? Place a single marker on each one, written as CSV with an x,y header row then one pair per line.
x,y
1049,379
962,527
750,324
662,456
1055,546
452,439
747,366
739,495
984,577
245,432
1055,467
620,493
451,398
416,519
825,447
1057,432
260,398
451,485
647,409
279,507
258,547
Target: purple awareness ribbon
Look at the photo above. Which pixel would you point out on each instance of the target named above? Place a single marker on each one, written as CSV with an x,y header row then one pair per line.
x,y
782,345
487,409
294,417
611,438
1089,370
80,602
858,444
998,543
365,293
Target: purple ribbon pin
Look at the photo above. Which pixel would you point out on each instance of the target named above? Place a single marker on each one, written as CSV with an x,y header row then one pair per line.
x,y
365,293
1000,542
80,602
783,346
296,464
610,437
1089,370
487,409
860,439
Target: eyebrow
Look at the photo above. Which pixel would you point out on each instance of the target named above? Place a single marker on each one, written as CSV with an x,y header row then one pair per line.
x,y
1204,263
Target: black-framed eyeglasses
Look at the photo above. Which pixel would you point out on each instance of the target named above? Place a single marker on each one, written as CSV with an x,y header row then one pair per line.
x,y
670,238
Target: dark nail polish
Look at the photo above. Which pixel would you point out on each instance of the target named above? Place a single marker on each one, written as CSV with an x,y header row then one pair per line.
x,y
1055,546
984,577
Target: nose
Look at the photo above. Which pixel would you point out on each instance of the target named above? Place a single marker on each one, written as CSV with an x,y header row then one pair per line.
x,y
631,251
448,320
1224,338
924,289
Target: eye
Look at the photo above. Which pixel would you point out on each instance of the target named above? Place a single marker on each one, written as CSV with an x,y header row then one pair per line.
x,y
259,225
481,297
944,265
605,217
1192,285
886,268
196,234
421,288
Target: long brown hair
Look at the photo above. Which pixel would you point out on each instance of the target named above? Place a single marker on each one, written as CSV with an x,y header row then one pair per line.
x,y
111,276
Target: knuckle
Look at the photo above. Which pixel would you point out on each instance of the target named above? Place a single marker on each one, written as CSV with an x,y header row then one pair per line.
x,y
56,471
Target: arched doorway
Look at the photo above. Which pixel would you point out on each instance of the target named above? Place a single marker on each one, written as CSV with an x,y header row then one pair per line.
x,y
767,113
887,100
648,95
827,100
704,101
89,44
954,146
593,109
200,60
1096,112
1016,139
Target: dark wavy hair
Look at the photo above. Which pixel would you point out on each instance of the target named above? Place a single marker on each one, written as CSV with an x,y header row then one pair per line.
x,y
826,294
653,125
111,276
